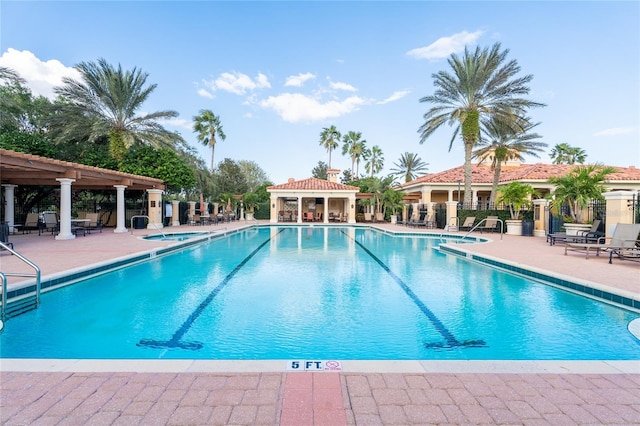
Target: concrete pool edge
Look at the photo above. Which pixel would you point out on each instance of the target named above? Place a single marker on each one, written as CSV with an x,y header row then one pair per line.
x,y
348,366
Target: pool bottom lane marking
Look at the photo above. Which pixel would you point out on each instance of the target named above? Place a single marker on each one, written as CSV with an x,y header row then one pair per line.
x,y
450,341
175,341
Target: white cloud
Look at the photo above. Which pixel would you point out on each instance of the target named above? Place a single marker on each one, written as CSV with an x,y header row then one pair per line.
x,y
299,80
395,96
205,94
238,83
445,46
342,86
177,122
615,131
296,107
40,76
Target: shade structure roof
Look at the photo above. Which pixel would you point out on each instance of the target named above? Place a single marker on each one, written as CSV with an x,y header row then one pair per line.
x,y
22,169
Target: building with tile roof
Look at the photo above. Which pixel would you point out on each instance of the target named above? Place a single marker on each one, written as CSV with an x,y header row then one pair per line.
x,y
313,199
448,185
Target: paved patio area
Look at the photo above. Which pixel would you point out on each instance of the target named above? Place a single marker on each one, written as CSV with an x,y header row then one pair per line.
x,y
364,393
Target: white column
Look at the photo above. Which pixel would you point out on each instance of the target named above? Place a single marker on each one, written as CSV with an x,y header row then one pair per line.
x,y
9,200
121,226
325,214
65,209
175,213
299,219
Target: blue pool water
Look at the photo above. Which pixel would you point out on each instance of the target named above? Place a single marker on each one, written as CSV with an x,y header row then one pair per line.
x,y
317,293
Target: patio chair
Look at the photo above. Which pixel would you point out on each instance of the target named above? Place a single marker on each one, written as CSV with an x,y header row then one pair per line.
x,y
490,224
586,236
32,222
94,222
625,237
307,217
49,223
318,217
467,225
592,235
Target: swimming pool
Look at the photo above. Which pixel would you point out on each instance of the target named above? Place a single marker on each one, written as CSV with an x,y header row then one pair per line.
x,y
317,293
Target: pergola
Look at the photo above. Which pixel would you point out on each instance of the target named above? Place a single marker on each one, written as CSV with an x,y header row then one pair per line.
x,y
20,169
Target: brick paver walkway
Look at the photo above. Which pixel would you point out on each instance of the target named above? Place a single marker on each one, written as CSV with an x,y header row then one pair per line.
x,y
331,399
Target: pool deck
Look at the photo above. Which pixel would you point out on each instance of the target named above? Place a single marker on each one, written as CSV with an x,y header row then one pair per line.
x,y
363,393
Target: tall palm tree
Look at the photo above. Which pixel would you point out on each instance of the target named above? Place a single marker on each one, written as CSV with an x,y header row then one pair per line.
x,y
409,166
352,146
329,138
358,152
207,125
505,141
104,105
374,160
563,153
482,85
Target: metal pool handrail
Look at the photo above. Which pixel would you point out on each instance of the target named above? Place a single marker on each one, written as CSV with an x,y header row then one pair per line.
x,y
4,276
482,221
150,221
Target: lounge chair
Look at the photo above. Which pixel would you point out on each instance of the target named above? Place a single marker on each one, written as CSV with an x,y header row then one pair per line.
x,y
590,236
32,222
49,223
94,222
625,236
490,224
468,223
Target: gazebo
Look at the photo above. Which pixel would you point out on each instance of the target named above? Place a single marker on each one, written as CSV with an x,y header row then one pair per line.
x,y
323,199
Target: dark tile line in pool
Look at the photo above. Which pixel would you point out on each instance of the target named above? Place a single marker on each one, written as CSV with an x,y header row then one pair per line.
x,y
601,294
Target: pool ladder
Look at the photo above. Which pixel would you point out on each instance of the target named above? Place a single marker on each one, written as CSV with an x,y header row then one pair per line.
x,y
22,303
150,222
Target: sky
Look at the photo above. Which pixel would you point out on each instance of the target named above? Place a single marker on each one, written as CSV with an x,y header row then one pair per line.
x,y
279,72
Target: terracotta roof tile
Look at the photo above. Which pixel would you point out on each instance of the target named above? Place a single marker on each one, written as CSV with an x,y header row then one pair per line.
x,y
538,171
313,184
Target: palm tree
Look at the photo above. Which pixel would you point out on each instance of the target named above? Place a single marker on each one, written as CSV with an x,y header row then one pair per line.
x,y
563,153
579,187
353,146
506,142
358,152
207,125
409,166
481,85
329,138
374,160
10,75
104,105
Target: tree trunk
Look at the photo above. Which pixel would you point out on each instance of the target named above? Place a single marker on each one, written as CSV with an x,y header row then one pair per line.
x,y
468,147
496,181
